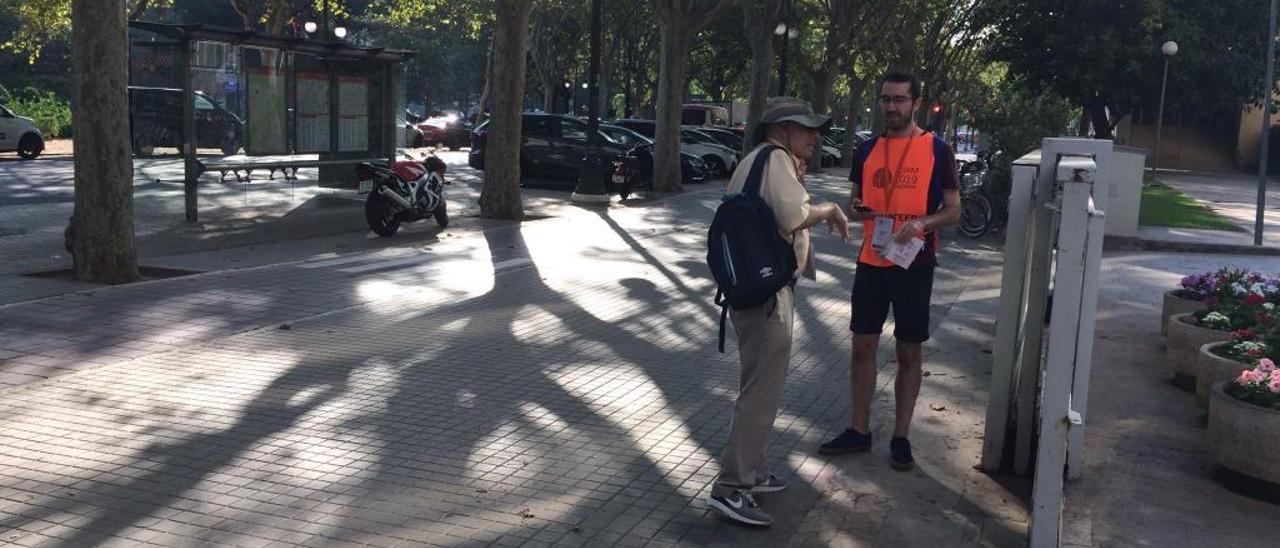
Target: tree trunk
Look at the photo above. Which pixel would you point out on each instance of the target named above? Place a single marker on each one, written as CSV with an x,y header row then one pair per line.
x,y
101,231
487,93
856,88
1097,108
823,81
500,198
672,72
759,23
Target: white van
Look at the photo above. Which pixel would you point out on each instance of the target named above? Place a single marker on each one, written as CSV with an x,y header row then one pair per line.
x,y
20,134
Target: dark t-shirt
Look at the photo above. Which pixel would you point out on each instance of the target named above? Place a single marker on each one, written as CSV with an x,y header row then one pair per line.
x,y
945,177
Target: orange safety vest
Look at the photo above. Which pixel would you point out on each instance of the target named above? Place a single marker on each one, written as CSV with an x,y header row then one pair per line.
x,y
910,160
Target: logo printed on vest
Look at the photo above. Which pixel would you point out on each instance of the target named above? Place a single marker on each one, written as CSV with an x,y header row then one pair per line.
x,y
766,272
909,178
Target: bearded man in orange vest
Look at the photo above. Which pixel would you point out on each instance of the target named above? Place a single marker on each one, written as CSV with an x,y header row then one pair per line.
x,y
905,188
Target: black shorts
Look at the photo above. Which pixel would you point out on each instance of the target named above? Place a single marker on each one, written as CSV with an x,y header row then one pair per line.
x,y
909,291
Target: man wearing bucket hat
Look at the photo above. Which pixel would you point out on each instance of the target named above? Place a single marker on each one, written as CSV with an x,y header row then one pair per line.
x,y
764,332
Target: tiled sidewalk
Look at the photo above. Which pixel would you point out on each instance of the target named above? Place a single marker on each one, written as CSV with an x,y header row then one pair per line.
x,y
552,385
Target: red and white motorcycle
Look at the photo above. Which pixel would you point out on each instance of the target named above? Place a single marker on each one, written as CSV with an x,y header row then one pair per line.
x,y
408,191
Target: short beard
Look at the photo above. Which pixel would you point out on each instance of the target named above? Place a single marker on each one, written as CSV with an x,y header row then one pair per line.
x,y
900,124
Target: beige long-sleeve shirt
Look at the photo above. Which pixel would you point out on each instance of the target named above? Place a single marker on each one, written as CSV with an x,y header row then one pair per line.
x,y
780,187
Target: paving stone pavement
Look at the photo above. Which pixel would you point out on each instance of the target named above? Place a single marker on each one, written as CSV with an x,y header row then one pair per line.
x,y
551,383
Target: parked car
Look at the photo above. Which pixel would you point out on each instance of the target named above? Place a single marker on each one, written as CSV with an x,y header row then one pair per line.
x,y
635,169
648,128
831,150
155,116
721,160
20,134
723,136
448,129
623,136
552,147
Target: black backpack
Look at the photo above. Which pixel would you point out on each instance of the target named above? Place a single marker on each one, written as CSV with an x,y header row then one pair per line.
x,y
749,260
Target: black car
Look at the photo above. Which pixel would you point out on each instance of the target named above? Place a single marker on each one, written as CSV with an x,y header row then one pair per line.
x,y
648,128
623,136
552,147
155,116
635,170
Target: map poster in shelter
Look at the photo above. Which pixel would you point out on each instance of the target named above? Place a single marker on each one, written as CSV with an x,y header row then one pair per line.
x,y
353,100
313,111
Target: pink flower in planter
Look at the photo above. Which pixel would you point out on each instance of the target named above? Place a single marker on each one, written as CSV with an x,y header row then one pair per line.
x,y
1266,365
1244,335
1245,377
1274,387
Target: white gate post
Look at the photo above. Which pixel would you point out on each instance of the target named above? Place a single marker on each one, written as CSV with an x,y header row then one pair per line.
x,y
1102,152
1031,354
1055,407
1013,284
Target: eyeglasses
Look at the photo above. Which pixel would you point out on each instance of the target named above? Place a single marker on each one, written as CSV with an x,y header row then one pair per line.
x,y
895,100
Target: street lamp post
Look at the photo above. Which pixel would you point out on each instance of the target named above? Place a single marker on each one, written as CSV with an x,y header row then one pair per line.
x,y
1268,95
591,179
787,31
1169,49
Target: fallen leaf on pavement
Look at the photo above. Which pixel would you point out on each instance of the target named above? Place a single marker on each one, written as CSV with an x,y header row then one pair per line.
x,y
937,407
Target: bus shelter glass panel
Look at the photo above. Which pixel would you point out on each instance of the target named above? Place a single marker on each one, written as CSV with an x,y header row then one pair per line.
x,y
265,108
219,97
311,89
361,117
155,90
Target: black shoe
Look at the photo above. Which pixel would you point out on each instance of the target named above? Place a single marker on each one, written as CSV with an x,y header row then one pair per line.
x,y
849,441
900,454
740,507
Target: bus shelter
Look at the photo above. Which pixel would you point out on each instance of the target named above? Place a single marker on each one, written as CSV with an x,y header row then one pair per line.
x,y
234,101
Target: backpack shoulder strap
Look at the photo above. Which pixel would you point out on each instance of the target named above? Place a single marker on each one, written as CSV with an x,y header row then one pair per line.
x,y
752,185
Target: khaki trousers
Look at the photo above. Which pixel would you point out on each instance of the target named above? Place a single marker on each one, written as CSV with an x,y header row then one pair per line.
x,y
764,347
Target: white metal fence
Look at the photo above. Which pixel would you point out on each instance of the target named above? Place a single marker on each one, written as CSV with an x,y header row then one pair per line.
x,y
1040,374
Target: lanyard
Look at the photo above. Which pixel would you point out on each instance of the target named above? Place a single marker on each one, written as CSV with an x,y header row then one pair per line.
x,y
892,179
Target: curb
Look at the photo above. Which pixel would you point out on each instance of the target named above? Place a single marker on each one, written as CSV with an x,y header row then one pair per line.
x,y
1125,243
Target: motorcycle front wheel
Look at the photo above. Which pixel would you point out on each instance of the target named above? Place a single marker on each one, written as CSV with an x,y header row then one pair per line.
x,y
381,216
441,215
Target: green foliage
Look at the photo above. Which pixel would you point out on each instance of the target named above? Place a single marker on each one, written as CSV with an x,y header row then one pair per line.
x,y
1107,52
51,114
41,22
1164,206
451,40
721,58
1014,121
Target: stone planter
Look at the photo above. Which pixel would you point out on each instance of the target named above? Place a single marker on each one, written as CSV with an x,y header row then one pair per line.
x,y
1212,368
1244,440
1183,347
1174,305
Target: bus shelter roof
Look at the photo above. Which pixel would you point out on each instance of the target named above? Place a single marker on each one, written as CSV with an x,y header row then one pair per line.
x,y
325,48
